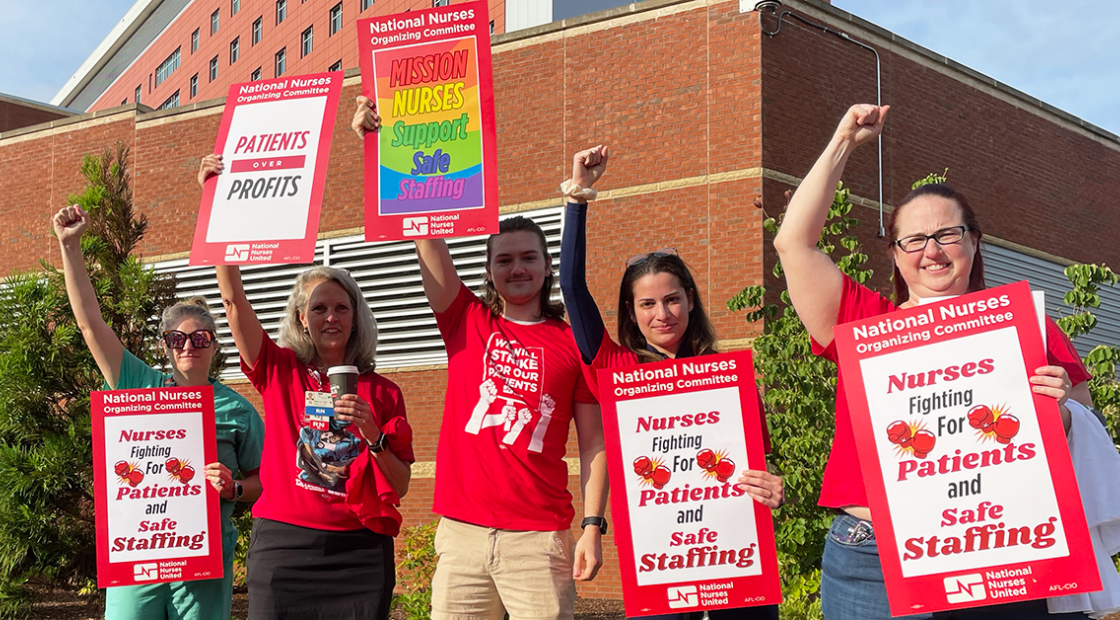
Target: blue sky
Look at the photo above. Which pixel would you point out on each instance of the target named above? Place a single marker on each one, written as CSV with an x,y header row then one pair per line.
x,y
1065,54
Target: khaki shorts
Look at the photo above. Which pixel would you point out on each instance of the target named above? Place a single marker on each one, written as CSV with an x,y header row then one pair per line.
x,y
483,573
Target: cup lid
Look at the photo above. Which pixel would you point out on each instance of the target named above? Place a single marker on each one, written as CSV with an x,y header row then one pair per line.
x,y
342,370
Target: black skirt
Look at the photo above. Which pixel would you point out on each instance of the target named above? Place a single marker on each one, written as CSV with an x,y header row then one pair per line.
x,y
307,574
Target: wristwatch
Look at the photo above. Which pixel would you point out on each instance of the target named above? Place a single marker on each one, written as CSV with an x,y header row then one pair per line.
x,y
238,490
599,521
379,445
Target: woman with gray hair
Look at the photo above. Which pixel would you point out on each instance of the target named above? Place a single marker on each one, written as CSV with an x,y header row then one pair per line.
x,y
189,341
333,472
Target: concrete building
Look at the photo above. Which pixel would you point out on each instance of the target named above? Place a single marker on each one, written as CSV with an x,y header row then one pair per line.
x,y
705,111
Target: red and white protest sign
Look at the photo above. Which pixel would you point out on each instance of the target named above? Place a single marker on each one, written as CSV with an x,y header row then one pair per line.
x,y
678,435
275,140
157,518
432,170
967,470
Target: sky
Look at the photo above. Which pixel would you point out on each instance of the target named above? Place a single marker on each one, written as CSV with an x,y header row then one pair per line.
x,y
1065,54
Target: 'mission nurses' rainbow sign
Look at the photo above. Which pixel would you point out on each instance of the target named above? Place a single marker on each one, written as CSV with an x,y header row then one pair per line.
x,y
430,171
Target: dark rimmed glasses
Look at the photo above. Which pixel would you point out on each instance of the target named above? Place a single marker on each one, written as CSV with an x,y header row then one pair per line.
x,y
641,258
945,236
200,339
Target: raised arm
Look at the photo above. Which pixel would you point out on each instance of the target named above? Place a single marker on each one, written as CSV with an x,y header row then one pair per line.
x,y
583,313
813,280
69,225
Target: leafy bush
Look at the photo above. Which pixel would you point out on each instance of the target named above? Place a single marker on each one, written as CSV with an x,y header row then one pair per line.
x,y
418,562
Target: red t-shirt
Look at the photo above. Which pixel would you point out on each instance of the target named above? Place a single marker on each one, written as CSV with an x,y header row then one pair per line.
x,y
511,388
307,475
613,355
843,481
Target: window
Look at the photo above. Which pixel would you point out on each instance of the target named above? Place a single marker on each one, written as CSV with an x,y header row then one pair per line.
x,y
172,102
194,41
167,67
257,27
281,10
213,68
386,272
336,66
306,42
234,7
137,94
214,21
491,26
441,2
234,49
280,64
125,102
336,18
366,4
256,75
194,86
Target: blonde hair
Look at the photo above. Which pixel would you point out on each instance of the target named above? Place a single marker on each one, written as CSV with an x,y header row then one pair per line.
x,y
361,348
196,308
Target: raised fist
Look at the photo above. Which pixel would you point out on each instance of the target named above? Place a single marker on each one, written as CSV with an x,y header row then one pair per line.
x,y
588,165
487,391
69,224
547,404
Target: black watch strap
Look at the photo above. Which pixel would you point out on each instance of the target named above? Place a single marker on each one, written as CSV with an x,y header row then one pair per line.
x,y
238,490
379,445
599,521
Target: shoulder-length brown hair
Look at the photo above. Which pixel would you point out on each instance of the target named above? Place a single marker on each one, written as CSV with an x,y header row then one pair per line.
x,y
968,217
700,335
550,308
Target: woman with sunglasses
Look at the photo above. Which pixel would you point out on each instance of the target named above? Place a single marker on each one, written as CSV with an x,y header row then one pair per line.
x,y
660,316
935,247
188,341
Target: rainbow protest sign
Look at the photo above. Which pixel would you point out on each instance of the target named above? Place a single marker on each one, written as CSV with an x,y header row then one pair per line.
x,y
430,172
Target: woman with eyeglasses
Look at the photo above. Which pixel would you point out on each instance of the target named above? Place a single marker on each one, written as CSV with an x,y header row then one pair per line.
x,y
935,247
189,342
334,468
660,316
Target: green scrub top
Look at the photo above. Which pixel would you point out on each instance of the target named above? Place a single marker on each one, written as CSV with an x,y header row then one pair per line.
x,y
240,435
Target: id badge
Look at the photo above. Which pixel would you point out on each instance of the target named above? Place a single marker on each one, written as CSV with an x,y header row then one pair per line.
x,y
319,409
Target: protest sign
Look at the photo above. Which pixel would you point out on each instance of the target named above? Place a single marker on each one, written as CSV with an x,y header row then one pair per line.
x,y
432,170
678,434
275,140
967,470
157,519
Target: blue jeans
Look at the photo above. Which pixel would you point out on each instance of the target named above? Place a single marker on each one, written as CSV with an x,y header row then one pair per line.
x,y
852,585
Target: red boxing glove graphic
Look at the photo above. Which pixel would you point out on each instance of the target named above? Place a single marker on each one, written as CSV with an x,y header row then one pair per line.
x,y
135,478
922,442
173,465
643,466
1006,427
725,469
981,417
899,433
706,459
122,468
186,473
660,476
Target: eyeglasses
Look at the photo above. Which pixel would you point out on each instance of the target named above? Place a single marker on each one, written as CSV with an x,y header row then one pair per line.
x,y
641,258
945,236
200,339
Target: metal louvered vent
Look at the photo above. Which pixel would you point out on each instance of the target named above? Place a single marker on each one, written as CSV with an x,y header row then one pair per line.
x,y
388,275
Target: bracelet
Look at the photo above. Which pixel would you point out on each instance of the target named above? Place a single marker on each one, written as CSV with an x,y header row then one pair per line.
x,y
570,189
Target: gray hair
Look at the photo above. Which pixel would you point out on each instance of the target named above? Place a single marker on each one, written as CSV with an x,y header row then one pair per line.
x,y
361,349
196,308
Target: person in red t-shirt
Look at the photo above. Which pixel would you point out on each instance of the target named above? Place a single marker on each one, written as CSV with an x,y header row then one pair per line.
x,y
660,316
514,385
333,471
852,578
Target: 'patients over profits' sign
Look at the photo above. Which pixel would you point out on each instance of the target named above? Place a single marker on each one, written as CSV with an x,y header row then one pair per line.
x,y
431,171
967,470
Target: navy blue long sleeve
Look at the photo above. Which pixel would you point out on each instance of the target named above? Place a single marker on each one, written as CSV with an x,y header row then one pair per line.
x,y
587,324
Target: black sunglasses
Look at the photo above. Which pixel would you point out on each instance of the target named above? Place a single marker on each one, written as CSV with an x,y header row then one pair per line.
x,y
200,339
641,258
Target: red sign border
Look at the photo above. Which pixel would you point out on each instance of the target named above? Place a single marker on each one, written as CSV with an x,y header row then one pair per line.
x,y
114,574
471,222
918,594
652,599
296,251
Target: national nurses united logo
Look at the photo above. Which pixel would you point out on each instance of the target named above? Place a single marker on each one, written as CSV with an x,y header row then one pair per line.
x,y
511,394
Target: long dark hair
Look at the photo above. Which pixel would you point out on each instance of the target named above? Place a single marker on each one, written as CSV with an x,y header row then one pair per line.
x,y
700,335
550,308
976,277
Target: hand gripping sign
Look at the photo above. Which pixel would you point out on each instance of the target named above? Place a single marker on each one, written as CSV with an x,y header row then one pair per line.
x,y
431,171
678,434
157,518
275,140
967,470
